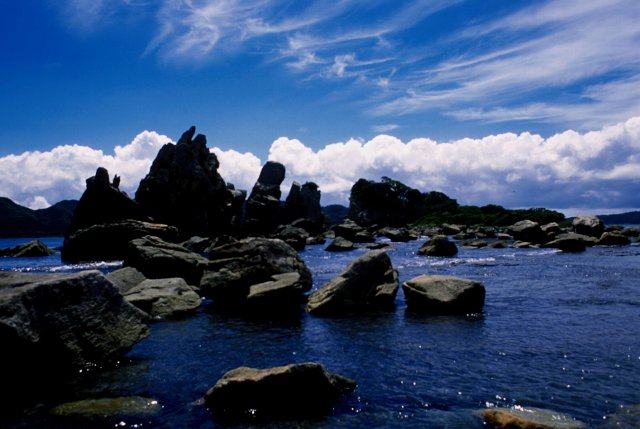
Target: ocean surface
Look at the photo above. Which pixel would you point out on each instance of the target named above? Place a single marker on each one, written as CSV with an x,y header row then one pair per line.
x,y
559,331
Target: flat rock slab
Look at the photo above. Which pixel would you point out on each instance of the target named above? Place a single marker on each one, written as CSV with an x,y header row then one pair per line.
x,y
295,391
163,298
126,406
444,295
519,417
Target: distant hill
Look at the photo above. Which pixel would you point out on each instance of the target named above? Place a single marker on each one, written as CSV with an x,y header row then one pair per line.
x,y
621,218
334,213
19,221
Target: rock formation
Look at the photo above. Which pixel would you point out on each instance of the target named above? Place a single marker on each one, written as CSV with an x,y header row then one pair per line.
x,y
527,231
263,205
588,225
64,321
297,391
163,298
443,295
32,249
303,202
439,245
103,202
369,283
183,188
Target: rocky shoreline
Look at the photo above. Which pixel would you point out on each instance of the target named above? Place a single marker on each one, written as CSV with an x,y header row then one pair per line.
x,y
188,236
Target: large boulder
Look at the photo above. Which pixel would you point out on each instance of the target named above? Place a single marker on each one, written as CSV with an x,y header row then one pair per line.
x,y
109,241
529,231
369,283
163,298
303,202
158,259
613,239
443,295
438,245
234,268
64,321
126,278
588,225
283,290
104,202
263,205
32,249
519,417
568,243
293,236
183,188
293,391
348,229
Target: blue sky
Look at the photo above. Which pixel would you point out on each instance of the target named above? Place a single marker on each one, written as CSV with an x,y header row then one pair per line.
x,y
265,79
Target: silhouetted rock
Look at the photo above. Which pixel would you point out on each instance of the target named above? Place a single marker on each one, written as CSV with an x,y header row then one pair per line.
x,y
297,391
32,249
183,188
588,225
158,259
110,241
235,267
349,229
263,205
64,321
303,202
369,283
439,245
443,295
101,203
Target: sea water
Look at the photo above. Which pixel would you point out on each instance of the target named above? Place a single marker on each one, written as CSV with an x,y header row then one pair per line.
x,y
559,331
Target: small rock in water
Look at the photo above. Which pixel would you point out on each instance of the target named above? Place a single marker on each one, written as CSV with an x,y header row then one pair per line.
x,y
519,417
444,295
35,248
127,406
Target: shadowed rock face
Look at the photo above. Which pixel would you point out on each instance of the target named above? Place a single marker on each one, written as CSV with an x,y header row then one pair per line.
x,y
184,189
103,202
303,202
263,205
290,392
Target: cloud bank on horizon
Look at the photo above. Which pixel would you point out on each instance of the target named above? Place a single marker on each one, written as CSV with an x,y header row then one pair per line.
x,y
569,170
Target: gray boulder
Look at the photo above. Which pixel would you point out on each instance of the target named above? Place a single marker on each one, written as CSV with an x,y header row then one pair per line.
x,y
237,266
110,241
591,226
69,320
126,278
340,244
158,259
438,246
32,249
297,391
527,230
443,295
293,236
184,189
163,298
613,239
282,291
369,283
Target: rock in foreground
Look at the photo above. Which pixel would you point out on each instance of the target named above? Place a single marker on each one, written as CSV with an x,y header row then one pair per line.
x,y
528,418
65,321
162,298
288,392
443,295
369,283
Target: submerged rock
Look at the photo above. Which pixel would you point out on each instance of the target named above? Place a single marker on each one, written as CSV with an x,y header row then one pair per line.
x,y
32,249
296,391
162,298
438,246
369,283
70,319
519,417
126,406
444,295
